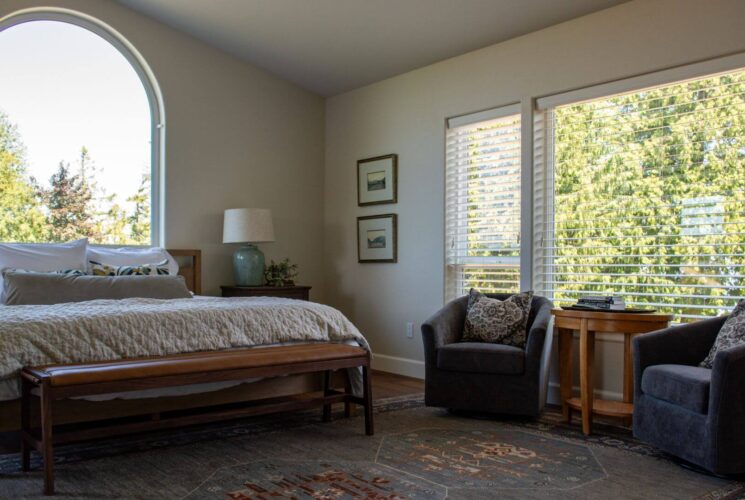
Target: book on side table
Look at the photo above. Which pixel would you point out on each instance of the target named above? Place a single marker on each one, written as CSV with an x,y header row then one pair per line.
x,y
604,303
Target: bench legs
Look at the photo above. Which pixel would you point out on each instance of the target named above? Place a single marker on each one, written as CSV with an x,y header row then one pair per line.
x,y
46,398
327,392
46,444
46,439
25,424
348,405
349,408
367,396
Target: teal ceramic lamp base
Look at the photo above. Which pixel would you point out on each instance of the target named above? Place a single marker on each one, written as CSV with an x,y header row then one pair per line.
x,y
248,266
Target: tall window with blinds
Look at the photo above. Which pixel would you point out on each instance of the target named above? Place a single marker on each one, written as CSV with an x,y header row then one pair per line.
x,y
647,198
482,202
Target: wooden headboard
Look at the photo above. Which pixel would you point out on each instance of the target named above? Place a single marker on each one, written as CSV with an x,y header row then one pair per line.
x,y
190,267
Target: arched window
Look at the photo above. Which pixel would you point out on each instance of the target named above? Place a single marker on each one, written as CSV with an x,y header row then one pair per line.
x,y
81,133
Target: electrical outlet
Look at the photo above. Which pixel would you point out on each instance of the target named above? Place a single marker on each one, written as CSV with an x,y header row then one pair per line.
x,y
410,330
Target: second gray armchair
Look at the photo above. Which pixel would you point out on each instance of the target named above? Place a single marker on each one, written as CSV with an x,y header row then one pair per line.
x,y
695,413
484,377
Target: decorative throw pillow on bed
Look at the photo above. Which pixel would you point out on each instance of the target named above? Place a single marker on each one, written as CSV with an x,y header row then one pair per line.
x,y
130,256
497,321
156,269
731,334
48,288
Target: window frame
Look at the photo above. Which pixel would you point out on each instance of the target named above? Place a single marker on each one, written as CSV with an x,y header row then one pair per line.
x,y
562,284
149,83
543,143
516,108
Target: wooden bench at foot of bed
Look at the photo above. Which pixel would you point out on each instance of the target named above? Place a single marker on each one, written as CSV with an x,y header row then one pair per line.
x,y
87,379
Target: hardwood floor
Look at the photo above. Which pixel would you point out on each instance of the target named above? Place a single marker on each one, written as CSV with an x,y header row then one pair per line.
x,y
389,385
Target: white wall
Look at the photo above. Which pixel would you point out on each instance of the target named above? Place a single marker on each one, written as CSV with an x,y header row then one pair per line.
x,y
406,115
236,137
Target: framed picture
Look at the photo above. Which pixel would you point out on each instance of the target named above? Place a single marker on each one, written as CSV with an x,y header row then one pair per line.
x,y
377,180
377,238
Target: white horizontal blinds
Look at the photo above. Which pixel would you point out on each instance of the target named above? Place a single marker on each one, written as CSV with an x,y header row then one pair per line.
x,y
649,198
483,206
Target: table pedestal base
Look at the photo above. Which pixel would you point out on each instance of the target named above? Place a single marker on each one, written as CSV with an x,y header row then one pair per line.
x,y
603,407
588,323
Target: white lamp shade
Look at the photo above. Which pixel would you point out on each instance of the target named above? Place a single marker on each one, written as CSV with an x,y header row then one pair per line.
x,y
247,225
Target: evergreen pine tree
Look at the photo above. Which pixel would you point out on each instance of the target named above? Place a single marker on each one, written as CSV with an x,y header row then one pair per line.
x,y
68,202
139,220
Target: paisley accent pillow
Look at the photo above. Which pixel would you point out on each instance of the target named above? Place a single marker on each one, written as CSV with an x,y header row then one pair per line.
x,y
497,321
731,334
156,269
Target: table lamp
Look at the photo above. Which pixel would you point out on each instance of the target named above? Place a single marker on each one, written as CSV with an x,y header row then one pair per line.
x,y
248,226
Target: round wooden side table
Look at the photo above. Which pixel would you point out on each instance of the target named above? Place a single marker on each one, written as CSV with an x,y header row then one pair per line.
x,y
588,323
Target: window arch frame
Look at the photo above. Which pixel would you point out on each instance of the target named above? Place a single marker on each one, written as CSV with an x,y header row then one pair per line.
x,y
149,83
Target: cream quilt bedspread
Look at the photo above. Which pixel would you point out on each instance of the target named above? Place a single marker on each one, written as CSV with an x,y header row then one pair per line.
x,y
114,329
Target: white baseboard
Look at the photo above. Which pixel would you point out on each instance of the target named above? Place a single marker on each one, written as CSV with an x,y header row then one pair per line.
x,y
555,398
399,366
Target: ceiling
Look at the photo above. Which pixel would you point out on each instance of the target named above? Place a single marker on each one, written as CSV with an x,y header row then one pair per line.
x,y
331,46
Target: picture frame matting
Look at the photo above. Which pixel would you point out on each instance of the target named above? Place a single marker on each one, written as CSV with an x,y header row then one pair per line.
x,y
377,238
377,180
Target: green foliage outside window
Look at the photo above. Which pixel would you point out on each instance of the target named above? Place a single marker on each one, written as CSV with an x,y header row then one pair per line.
x,y
70,206
649,191
493,223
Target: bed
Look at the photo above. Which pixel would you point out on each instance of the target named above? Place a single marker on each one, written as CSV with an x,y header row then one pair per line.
x,y
81,410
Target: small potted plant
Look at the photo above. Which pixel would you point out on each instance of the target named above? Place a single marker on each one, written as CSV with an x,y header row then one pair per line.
x,y
280,274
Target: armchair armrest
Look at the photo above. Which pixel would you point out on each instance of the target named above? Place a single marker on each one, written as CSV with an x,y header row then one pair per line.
x,y
727,376
538,348
727,404
681,345
442,328
537,334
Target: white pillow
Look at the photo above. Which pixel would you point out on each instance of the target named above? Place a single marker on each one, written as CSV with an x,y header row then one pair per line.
x,y
130,256
42,257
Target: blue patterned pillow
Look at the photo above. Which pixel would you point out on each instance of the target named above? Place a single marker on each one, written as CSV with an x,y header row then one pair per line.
x,y
156,269
74,272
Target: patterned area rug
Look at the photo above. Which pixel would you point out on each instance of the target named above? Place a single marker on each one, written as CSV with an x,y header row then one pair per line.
x,y
417,452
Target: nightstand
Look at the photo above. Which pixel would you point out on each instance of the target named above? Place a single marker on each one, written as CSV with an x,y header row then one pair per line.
x,y
289,292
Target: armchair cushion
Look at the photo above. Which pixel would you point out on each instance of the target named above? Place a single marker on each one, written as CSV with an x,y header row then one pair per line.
x,y
682,385
731,334
479,357
497,321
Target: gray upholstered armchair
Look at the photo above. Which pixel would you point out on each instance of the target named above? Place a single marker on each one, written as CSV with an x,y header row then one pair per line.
x,y
694,413
485,377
